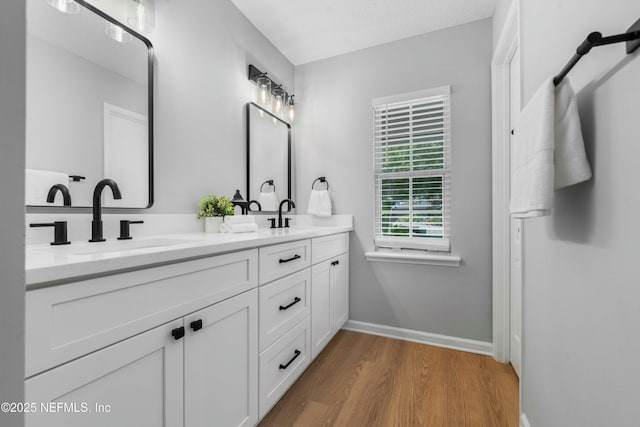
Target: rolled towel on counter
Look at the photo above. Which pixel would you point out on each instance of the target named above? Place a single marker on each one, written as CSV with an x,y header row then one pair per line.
x,y
226,227
268,201
319,203
240,219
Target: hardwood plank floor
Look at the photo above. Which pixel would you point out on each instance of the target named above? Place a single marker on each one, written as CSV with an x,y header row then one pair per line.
x,y
366,380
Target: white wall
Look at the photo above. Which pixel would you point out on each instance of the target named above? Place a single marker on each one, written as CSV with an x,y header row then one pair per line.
x,y
334,138
203,49
500,17
12,137
581,287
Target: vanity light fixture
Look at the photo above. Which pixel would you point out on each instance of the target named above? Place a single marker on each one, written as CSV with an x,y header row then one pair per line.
x,y
267,87
117,33
141,15
65,6
291,108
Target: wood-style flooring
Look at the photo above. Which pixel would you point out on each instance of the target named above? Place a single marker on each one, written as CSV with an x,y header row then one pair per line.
x,y
366,380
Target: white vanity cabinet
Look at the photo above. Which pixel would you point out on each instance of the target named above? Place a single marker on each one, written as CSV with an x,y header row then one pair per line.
x,y
210,341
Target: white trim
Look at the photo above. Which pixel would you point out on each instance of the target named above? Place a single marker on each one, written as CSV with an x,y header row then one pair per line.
x,y
401,97
413,257
500,64
444,341
524,421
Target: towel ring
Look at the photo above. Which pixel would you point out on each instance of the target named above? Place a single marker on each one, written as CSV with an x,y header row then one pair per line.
x,y
321,179
270,182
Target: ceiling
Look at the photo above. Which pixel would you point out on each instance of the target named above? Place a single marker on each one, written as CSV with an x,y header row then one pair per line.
x,y
306,30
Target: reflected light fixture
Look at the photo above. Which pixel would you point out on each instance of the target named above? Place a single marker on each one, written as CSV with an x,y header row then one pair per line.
x,y
141,15
65,6
117,33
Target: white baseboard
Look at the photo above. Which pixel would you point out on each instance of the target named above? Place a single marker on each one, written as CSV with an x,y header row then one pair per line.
x,y
524,421
453,343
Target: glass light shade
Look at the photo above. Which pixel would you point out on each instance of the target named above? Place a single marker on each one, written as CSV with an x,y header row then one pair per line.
x,y
141,15
66,6
292,110
264,86
117,33
279,104
279,100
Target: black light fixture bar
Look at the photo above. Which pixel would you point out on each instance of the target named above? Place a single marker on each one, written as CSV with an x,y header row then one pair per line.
x,y
255,73
631,37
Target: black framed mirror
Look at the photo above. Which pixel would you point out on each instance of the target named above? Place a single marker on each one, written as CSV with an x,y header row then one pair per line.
x,y
89,107
268,158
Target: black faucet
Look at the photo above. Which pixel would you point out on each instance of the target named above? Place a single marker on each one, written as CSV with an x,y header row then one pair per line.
x,y
291,205
96,224
66,195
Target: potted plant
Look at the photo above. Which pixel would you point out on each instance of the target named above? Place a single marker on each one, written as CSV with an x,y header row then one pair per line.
x,y
213,209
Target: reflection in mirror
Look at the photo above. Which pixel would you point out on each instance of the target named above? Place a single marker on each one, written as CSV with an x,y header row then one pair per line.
x,y
269,158
89,107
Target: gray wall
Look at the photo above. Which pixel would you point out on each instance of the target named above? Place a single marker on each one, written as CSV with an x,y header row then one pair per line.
x,y
203,49
334,138
12,136
581,296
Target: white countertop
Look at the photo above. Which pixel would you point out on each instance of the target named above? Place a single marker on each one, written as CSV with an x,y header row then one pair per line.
x,y
49,265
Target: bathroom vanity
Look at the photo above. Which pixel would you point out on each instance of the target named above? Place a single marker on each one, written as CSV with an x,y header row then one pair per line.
x,y
180,330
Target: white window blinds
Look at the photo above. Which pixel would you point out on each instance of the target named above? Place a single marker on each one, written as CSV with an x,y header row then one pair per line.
x,y
412,155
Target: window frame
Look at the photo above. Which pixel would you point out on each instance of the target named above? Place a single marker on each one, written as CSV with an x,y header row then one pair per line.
x,y
440,244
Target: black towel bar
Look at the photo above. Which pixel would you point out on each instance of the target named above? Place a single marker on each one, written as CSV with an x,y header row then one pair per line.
x,y
631,37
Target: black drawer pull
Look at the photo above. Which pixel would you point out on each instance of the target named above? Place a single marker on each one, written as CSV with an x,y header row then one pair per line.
x,y
178,333
295,257
196,325
335,262
290,361
295,301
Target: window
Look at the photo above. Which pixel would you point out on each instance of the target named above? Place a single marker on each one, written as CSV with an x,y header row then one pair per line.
x,y
412,145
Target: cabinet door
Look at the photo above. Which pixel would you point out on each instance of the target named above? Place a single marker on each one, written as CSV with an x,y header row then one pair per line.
x,y
321,325
135,383
339,292
221,363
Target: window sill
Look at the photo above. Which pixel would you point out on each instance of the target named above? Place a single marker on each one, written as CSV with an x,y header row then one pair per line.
x,y
413,257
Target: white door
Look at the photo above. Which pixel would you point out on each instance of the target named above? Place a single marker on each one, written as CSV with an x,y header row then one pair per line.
x,y
221,364
516,232
339,292
134,383
320,307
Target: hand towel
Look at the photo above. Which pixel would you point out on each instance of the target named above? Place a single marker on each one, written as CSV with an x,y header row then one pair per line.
x,y
548,150
319,203
239,219
226,227
268,201
37,185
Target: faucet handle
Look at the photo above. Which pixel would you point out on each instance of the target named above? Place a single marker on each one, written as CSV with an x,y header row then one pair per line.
x,y
59,231
273,222
286,222
125,230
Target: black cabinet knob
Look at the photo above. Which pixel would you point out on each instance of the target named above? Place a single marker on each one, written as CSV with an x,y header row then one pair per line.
x,y
125,229
178,333
59,231
196,325
335,262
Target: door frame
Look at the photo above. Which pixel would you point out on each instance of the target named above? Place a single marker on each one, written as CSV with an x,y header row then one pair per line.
x,y
500,188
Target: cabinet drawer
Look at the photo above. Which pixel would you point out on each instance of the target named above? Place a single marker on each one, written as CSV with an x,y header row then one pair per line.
x,y
323,248
282,363
283,304
279,260
65,322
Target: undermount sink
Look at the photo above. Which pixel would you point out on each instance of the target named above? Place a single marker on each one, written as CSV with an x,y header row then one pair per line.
x,y
121,246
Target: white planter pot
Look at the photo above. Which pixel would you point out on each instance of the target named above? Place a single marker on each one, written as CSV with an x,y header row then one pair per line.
x,y
212,224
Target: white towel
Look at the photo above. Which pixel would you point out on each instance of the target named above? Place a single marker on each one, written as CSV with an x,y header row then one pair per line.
x,y
37,185
239,219
268,201
549,126
226,227
319,203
